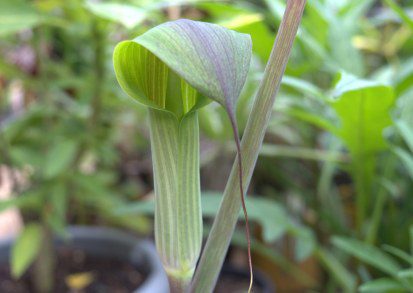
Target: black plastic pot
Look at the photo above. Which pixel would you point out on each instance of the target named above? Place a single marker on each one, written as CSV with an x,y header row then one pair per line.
x,y
114,244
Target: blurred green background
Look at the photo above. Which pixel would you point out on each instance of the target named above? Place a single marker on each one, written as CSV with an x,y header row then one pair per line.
x,y
333,183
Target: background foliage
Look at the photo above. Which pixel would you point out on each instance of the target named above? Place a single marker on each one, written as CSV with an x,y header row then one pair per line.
x,y
334,179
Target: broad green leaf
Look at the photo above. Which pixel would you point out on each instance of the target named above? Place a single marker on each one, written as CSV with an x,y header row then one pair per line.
x,y
368,254
382,285
128,15
17,15
26,249
60,157
363,108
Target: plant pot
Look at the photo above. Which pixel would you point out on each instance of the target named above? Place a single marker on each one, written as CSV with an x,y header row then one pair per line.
x,y
106,243
234,279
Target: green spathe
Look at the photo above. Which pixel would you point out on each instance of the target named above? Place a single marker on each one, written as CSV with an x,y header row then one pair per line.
x,y
173,69
210,58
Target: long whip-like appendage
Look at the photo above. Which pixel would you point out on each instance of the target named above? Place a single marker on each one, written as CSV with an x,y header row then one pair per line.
x,y
241,187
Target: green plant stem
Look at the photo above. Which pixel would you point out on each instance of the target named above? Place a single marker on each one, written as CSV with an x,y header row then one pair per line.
x,y
363,172
223,227
178,215
44,265
389,167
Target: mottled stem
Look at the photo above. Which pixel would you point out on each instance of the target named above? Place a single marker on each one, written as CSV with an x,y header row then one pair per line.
x,y
223,227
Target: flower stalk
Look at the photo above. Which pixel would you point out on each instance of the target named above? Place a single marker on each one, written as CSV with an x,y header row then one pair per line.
x,y
223,227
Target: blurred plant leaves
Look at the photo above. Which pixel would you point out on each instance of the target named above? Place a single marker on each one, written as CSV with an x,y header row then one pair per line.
x,y
340,273
26,200
56,214
406,132
59,157
399,253
382,285
406,158
25,249
271,216
368,254
127,15
17,15
400,12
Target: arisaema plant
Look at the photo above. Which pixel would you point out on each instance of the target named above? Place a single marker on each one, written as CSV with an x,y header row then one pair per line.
x,y
174,69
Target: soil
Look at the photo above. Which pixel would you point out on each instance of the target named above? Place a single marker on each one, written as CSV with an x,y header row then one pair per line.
x,y
229,284
106,275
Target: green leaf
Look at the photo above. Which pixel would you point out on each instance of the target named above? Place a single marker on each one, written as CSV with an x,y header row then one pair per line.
x,y
60,157
25,249
26,199
128,15
338,270
56,215
363,108
305,243
382,285
368,254
406,274
399,253
406,132
263,211
406,158
16,16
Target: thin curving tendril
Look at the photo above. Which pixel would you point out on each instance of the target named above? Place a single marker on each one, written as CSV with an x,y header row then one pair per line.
x,y
241,187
